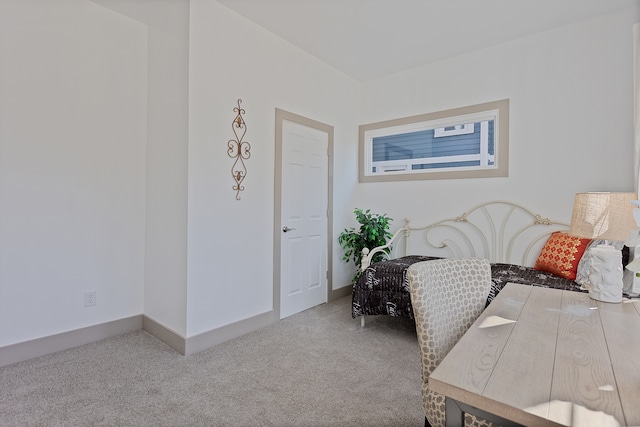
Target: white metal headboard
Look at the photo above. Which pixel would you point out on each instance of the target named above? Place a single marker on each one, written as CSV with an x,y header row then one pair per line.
x,y
501,231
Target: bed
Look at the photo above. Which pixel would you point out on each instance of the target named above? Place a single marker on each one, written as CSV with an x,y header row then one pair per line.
x,y
512,237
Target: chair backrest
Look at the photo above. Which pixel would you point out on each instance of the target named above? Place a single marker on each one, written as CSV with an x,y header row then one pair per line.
x,y
447,296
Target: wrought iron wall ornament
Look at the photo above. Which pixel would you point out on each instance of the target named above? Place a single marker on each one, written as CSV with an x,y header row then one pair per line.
x,y
239,150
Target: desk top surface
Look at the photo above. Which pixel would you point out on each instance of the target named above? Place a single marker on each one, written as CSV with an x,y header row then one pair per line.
x,y
541,356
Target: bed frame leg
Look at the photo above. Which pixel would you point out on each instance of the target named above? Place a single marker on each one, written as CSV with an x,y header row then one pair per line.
x,y
362,321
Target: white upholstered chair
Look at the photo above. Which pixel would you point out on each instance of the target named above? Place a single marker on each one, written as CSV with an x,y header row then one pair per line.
x,y
447,296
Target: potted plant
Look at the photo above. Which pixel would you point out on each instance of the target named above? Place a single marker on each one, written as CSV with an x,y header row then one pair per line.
x,y
373,231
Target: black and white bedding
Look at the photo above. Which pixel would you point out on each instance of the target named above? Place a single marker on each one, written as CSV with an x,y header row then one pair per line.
x,y
383,288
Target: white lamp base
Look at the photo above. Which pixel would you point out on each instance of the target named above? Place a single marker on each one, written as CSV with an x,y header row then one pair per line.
x,y
605,274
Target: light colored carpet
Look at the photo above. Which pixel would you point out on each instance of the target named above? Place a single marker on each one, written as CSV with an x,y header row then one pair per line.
x,y
316,368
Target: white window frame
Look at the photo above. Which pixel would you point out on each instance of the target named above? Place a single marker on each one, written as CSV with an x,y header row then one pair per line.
x,y
461,118
464,129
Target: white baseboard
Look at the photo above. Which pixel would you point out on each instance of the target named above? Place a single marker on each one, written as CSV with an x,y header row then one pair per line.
x,y
228,332
340,292
39,347
225,333
205,340
164,334
53,343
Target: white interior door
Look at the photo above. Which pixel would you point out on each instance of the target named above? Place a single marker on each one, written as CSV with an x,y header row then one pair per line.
x,y
304,209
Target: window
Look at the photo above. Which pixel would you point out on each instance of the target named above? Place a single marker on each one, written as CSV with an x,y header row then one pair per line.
x,y
467,142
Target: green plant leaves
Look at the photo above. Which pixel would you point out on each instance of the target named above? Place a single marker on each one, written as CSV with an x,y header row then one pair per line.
x,y
373,232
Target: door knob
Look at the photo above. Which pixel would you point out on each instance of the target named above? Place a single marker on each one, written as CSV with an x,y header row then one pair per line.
x,y
285,229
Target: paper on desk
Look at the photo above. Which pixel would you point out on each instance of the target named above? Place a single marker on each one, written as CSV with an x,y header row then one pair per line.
x,y
495,321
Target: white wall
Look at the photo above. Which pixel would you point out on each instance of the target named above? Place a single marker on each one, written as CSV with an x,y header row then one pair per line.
x,y
165,285
230,272
570,119
86,203
107,211
73,80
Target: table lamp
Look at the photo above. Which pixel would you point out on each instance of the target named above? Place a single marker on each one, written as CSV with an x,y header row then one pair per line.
x,y
604,216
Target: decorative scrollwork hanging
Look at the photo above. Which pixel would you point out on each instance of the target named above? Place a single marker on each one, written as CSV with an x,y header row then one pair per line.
x,y
239,150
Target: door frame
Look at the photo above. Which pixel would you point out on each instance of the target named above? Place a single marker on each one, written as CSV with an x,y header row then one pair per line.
x,y
282,115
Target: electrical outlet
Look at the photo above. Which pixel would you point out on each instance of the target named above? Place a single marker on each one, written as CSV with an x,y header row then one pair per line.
x,y
90,299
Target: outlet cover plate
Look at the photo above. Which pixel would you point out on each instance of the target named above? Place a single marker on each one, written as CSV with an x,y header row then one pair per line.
x,y
90,299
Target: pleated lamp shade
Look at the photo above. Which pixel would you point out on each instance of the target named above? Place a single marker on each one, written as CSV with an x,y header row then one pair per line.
x,y
606,216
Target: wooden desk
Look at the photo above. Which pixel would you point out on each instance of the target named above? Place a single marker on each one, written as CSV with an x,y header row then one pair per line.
x,y
561,358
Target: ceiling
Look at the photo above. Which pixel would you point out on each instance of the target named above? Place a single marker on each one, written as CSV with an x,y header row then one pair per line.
x,y
367,39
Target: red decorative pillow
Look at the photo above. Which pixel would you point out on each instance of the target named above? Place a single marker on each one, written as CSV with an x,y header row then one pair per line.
x,y
561,254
